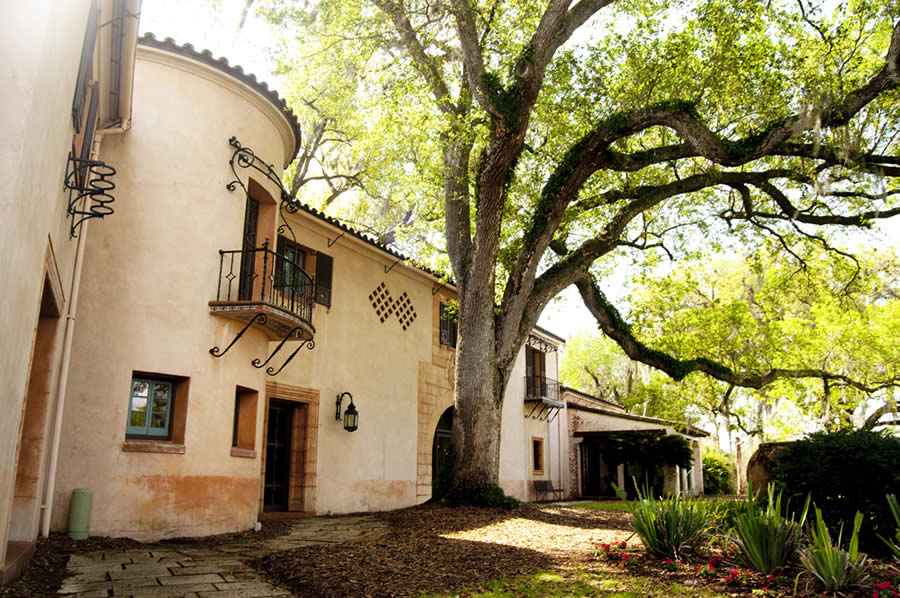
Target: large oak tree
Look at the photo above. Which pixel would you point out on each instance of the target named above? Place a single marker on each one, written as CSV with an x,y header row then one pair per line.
x,y
551,138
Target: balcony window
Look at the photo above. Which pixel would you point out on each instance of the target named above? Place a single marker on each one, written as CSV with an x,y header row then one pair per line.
x,y
448,325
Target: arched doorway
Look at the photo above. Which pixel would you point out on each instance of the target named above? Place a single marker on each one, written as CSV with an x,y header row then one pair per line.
x,y
442,455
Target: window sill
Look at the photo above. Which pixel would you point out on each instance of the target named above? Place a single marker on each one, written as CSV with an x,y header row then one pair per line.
x,y
242,452
152,446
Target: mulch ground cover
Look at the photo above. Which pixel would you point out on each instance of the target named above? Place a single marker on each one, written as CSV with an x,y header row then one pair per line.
x,y
441,550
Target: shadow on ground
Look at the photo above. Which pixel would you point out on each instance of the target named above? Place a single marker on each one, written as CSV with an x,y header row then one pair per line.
x,y
438,549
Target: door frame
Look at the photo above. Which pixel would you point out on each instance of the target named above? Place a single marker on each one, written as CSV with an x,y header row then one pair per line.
x,y
304,442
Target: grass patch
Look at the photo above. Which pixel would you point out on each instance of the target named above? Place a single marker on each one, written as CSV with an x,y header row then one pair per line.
x,y
606,505
604,584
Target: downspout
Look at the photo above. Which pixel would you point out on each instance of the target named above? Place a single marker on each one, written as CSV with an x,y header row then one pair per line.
x,y
47,506
124,101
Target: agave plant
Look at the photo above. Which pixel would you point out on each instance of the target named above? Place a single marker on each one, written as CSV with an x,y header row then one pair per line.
x,y
765,538
837,569
668,527
893,543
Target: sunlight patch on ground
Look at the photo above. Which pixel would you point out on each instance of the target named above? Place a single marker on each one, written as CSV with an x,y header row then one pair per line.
x,y
526,533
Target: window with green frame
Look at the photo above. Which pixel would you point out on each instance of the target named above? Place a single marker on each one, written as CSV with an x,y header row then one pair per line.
x,y
150,408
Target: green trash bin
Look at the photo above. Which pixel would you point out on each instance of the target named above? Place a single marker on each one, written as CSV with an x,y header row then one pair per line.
x,y
80,513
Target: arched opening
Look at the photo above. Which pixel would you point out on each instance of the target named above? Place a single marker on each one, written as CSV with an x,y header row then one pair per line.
x,y
442,456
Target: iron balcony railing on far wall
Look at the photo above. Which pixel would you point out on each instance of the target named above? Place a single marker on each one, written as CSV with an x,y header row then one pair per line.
x,y
261,275
539,387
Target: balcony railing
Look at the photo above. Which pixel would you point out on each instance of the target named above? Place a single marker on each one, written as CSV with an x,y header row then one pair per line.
x,y
539,387
260,275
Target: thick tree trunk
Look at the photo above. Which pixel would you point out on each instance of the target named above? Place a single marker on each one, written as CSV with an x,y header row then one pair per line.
x,y
478,394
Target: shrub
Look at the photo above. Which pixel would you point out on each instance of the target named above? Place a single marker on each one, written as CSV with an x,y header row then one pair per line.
x,y
835,568
489,497
893,543
718,475
765,538
722,514
845,472
668,527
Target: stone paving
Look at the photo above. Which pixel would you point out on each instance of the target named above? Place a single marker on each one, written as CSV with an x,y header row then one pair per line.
x,y
193,571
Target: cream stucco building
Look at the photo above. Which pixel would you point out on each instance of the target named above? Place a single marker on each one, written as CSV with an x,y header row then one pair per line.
x,y
191,358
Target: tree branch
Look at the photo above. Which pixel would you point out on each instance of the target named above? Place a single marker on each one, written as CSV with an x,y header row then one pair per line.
x,y
424,64
612,324
471,51
872,420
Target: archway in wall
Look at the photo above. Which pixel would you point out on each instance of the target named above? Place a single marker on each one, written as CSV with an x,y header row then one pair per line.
x,y
31,475
442,455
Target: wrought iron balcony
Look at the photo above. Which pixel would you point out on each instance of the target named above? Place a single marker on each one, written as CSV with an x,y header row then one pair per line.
x,y
260,285
539,387
543,394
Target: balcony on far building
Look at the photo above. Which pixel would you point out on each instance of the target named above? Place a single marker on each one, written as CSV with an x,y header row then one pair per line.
x,y
543,394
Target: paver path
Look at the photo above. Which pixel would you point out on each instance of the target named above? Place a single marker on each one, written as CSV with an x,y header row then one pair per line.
x,y
192,571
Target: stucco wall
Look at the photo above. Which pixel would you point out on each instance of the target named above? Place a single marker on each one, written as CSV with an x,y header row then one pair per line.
x,y
518,430
375,467
149,273
42,41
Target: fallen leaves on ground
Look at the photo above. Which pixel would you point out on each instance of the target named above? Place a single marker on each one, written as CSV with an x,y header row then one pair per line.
x,y
440,549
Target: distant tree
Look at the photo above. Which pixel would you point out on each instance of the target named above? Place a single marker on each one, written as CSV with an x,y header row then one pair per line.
x,y
746,314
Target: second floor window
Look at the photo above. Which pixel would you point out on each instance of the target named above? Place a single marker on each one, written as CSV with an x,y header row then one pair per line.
x,y
448,325
291,258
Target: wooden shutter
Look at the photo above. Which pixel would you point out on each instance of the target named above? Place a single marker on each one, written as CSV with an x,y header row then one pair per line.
x,y
324,266
445,325
85,67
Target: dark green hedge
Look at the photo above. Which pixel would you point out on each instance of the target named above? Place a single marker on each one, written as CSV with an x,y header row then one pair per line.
x,y
844,472
718,475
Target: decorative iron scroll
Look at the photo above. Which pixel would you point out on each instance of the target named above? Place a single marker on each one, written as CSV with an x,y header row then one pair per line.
x,y
311,344
244,157
259,317
89,186
545,411
258,364
540,344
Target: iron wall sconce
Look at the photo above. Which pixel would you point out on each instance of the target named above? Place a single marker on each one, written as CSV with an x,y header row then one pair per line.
x,y
351,415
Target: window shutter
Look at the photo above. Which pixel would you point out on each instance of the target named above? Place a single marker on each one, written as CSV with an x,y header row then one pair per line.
x,y
445,325
324,266
86,66
279,264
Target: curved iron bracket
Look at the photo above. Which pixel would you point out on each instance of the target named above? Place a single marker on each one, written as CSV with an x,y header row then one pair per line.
x,y
335,240
310,343
257,364
88,179
386,269
243,158
259,317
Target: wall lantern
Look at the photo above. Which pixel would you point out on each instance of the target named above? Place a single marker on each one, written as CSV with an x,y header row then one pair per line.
x,y
351,415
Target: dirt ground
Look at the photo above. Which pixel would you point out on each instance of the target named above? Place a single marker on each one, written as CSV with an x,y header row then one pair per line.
x,y
440,550
436,549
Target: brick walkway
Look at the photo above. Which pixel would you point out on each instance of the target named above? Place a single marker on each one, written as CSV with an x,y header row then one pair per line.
x,y
192,571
